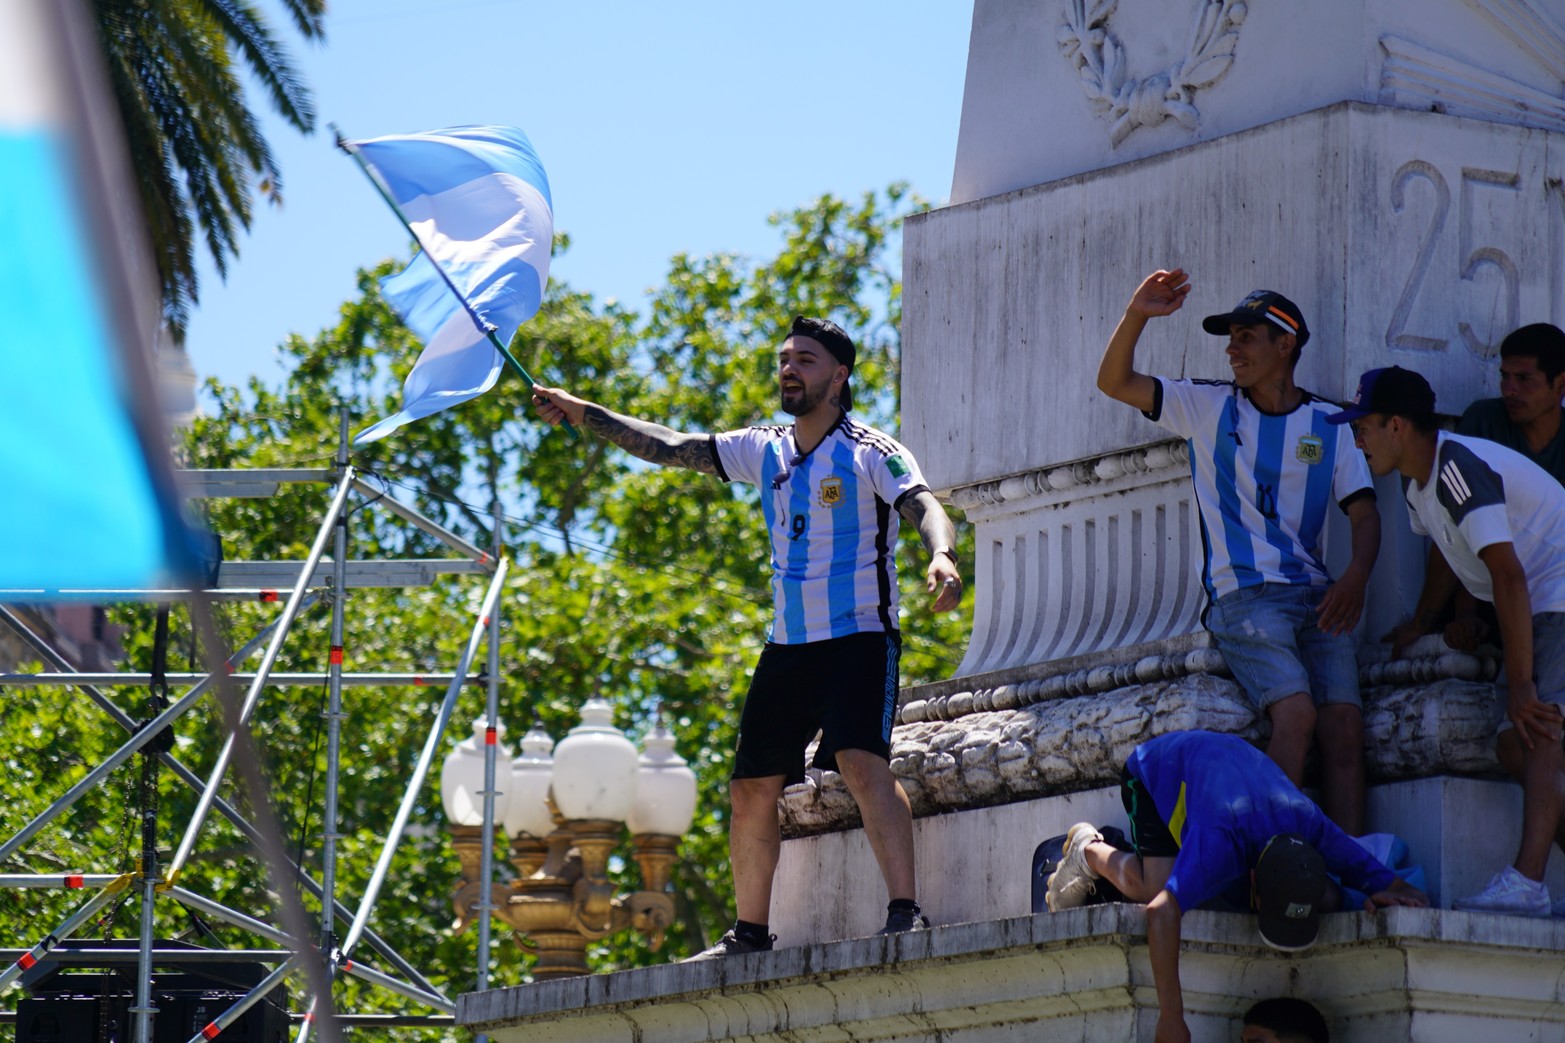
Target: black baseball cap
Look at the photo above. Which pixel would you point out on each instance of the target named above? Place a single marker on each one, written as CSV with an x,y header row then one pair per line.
x,y
1290,881
1261,306
1393,390
835,340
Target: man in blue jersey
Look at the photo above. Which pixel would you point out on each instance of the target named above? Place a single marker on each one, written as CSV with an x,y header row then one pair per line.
x,y
1494,519
831,491
1210,817
1266,468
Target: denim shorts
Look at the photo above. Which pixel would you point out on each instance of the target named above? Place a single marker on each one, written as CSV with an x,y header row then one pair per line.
x,y
1269,639
1548,663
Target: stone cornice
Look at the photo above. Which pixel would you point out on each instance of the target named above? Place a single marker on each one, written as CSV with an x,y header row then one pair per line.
x,y
1064,483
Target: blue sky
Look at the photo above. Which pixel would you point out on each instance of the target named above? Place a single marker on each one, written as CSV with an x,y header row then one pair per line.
x,y
663,127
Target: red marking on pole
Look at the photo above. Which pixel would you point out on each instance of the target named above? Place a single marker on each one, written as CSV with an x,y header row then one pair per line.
x,y
268,595
486,621
491,736
483,559
73,880
419,682
347,965
336,655
309,1017
212,1031
228,667
27,961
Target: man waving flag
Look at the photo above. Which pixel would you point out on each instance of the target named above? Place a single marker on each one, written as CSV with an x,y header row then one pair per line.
x,y
477,200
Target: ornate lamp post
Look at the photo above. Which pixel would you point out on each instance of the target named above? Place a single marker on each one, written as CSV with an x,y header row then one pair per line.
x,y
564,815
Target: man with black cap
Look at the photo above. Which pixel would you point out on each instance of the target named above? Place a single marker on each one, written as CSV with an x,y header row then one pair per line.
x,y
1266,469
831,491
1210,817
1496,523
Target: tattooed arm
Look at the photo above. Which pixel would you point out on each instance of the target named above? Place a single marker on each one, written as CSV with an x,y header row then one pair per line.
x,y
651,442
924,513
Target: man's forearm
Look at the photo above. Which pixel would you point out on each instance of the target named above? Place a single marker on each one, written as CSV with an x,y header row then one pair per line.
x,y
929,518
1366,539
1513,610
1439,584
651,442
1163,918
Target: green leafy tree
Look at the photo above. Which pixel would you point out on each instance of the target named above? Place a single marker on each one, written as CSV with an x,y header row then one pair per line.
x,y
644,585
195,144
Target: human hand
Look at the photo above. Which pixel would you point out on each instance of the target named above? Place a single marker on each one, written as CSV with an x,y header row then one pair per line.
x,y
1464,632
1171,1028
1339,610
1161,293
1401,636
1532,717
943,580
1399,893
555,406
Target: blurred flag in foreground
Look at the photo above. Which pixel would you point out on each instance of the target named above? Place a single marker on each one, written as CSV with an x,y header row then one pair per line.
x,y
477,201
89,498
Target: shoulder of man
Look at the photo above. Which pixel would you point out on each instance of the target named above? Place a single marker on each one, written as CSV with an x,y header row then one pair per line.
x,y
876,443
1464,480
1486,418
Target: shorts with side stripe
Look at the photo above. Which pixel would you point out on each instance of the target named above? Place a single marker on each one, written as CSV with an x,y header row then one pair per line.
x,y
1148,832
845,688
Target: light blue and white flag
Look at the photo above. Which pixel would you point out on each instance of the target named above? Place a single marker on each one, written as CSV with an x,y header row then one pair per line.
x,y
477,200
90,499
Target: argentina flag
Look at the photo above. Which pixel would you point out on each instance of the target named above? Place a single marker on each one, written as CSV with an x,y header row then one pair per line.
x,y
477,200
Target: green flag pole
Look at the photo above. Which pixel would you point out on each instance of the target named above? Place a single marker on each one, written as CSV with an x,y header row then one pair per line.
x,y
385,193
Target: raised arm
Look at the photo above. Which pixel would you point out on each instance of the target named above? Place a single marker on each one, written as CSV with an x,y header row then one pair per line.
x,y
1161,293
925,514
651,442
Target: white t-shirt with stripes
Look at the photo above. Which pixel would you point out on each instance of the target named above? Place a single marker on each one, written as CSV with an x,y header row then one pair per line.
x,y
832,516
1483,493
1263,482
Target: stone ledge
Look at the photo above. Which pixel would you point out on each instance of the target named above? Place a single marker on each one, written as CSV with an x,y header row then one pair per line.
x,y
1068,745
1401,973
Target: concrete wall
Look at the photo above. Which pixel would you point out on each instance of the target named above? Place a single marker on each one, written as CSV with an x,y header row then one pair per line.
x,y
976,865
1408,238
1028,111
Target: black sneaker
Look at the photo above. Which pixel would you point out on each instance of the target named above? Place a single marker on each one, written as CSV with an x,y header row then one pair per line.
x,y
730,944
899,920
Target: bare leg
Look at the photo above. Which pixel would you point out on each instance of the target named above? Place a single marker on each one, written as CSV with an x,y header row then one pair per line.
x,y
754,844
1138,879
1293,726
1340,729
1543,777
1510,753
888,818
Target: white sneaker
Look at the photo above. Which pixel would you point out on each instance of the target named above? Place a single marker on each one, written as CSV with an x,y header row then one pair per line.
x,y
1071,883
1508,893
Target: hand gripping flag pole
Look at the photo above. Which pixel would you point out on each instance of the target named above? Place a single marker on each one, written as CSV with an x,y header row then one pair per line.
x,y
476,199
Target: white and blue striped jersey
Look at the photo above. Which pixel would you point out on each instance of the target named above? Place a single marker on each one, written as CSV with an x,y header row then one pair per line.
x,y
1262,482
832,515
1483,493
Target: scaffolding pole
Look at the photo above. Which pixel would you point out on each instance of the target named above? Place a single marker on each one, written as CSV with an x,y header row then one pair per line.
x,y
138,739
83,913
192,780
81,680
334,716
420,771
290,611
491,749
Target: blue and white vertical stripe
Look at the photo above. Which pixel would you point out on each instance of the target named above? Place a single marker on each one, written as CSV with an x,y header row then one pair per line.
x,y
1263,482
477,200
833,525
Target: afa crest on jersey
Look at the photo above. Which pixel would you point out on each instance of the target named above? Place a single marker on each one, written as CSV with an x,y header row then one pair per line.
x,y
1310,449
829,492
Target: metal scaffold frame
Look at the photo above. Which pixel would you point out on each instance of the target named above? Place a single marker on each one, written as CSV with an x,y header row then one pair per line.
x,y
328,954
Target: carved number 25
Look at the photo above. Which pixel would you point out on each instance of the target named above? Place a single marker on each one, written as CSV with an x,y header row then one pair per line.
x,y
1474,258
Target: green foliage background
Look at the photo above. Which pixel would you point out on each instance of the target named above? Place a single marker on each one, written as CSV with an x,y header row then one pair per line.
x,y
646,586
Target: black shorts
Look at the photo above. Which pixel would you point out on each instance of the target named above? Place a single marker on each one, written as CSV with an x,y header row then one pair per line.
x,y
1148,831
844,687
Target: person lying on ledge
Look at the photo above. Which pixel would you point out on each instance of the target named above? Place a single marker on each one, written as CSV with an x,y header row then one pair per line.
x,y
1210,815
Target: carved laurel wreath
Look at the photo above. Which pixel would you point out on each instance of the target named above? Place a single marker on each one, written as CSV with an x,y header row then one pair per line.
x,y
1099,57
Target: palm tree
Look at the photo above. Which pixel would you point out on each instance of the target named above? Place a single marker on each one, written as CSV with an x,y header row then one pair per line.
x,y
194,143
